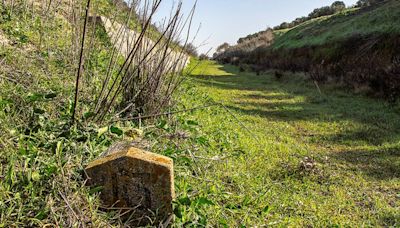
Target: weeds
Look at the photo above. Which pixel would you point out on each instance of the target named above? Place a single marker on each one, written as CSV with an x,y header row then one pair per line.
x,y
42,156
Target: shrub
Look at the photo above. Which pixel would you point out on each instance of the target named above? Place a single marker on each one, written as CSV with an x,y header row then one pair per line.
x,y
204,57
323,11
338,6
366,3
191,50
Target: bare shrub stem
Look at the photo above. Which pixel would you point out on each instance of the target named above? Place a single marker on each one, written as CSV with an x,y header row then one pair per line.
x,y
80,66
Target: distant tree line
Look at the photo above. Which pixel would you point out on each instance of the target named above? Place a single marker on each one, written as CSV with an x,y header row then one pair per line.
x,y
221,49
336,7
252,36
191,50
366,3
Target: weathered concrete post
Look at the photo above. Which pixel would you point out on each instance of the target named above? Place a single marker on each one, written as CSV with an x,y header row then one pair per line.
x,y
134,179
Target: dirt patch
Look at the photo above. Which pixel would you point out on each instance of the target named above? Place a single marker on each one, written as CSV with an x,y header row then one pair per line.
x,y
3,40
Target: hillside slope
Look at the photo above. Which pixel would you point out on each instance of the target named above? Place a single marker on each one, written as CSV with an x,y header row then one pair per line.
x,y
376,20
42,154
357,48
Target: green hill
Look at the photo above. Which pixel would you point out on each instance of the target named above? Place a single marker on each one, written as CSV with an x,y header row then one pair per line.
x,y
381,19
358,48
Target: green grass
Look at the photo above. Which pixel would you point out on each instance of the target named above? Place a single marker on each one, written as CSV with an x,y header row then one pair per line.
x,y
257,178
370,21
42,157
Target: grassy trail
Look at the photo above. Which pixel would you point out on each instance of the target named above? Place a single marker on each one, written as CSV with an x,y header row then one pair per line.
x,y
311,160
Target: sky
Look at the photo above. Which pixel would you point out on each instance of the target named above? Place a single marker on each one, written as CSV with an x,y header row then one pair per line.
x,y
228,20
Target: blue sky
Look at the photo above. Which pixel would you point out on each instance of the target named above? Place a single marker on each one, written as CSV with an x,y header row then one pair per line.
x,y
227,20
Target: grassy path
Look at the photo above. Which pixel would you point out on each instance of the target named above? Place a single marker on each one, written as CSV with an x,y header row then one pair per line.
x,y
317,161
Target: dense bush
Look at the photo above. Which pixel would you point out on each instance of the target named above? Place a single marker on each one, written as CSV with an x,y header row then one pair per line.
x,y
349,63
338,6
261,34
244,46
323,11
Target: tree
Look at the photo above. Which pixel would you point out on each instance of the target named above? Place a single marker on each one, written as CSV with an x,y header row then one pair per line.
x,y
191,50
284,25
323,11
223,47
338,6
204,57
366,3
300,20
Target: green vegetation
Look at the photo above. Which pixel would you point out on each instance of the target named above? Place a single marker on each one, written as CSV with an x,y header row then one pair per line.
x,y
357,48
336,7
341,25
344,25
351,175
42,157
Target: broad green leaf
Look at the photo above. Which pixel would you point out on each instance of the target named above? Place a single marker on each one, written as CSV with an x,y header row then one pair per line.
x,y
265,210
163,125
102,131
178,212
184,200
42,214
35,97
192,122
35,176
204,201
116,130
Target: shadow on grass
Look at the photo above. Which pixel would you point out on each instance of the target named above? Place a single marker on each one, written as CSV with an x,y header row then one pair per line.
x,y
269,96
366,122
379,164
